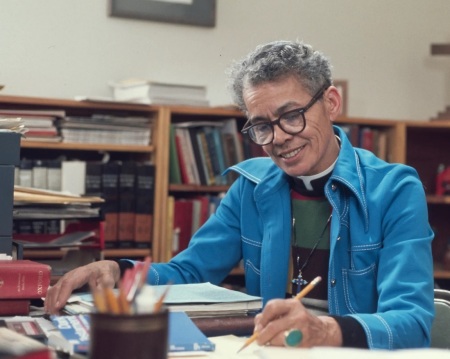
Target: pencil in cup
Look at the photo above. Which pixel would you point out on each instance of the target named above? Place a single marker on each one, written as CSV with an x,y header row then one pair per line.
x,y
299,296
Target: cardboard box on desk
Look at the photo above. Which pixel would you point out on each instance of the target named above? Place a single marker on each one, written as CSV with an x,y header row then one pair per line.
x,y
9,158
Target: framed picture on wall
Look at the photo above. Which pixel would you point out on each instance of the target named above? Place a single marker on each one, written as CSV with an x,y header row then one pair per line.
x,y
187,12
341,85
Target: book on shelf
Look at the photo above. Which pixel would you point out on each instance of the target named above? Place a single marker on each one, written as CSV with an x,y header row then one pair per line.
x,y
106,129
145,198
199,155
93,179
23,279
174,167
204,149
188,166
65,240
127,204
73,175
110,187
182,223
205,160
35,195
152,92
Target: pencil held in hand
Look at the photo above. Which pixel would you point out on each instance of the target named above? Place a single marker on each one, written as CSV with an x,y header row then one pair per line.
x,y
299,296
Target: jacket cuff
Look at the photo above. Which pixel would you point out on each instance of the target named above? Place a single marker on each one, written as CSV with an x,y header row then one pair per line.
x,y
124,264
353,334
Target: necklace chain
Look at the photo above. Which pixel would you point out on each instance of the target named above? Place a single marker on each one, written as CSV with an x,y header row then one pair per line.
x,y
299,280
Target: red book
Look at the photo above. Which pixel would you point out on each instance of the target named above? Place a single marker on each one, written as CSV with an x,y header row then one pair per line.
x,y
14,307
23,279
183,223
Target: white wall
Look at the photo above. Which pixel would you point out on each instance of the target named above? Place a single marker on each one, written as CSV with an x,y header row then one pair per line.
x,y
64,48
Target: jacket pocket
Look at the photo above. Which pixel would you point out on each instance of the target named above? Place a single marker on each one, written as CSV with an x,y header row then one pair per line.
x,y
360,289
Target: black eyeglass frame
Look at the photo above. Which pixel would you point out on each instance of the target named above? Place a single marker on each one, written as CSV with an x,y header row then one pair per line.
x,y
302,110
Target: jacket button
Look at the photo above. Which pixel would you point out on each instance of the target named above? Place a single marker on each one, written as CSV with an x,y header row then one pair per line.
x,y
333,282
338,238
333,187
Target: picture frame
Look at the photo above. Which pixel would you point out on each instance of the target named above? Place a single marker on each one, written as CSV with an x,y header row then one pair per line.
x,y
342,87
187,12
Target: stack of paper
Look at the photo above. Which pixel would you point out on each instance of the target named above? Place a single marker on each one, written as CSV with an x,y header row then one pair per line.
x,y
150,92
208,300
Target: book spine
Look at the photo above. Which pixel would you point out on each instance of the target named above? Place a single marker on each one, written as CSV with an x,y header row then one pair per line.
x,y
144,191
174,162
210,177
93,179
127,204
110,186
185,169
183,216
193,131
24,279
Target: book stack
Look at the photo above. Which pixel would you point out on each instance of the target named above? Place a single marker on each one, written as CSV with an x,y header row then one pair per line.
x,y
39,124
125,187
22,281
149,92
106,129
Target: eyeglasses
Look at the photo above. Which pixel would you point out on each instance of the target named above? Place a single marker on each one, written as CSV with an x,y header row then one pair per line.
x,y
291,122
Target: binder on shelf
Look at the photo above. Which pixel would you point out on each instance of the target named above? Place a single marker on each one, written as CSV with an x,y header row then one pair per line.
x,y
145,197
110,186
127,204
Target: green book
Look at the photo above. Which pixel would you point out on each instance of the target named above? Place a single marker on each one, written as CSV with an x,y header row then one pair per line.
x,y
174,164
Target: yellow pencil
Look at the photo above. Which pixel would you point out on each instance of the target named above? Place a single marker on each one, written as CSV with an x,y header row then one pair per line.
x,y
111,301
299,296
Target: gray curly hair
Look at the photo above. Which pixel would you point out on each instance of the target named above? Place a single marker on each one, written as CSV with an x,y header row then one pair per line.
x,y
278,59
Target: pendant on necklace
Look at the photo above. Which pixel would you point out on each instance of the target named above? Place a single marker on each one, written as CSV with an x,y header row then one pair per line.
x,y
299,282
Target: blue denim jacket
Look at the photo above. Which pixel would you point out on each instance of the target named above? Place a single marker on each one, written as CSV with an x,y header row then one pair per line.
x,y
380,269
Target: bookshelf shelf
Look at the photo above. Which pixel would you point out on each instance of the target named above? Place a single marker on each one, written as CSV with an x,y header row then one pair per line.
x,y
86,147
91,152
197,189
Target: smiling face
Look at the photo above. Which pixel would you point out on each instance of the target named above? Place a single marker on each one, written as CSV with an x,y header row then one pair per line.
x,y
315,148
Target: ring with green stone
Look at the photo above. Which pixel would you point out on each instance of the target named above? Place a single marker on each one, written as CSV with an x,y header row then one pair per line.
x,y
293,338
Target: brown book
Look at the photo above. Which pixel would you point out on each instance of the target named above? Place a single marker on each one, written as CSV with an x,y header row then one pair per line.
x,y
110,189
14,307
23,279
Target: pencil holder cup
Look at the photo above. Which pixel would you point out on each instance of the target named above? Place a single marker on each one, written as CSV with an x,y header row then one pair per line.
x,y
139,336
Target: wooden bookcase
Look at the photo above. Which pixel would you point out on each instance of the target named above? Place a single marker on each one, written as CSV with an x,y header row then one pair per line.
x,y
421,144
39,150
